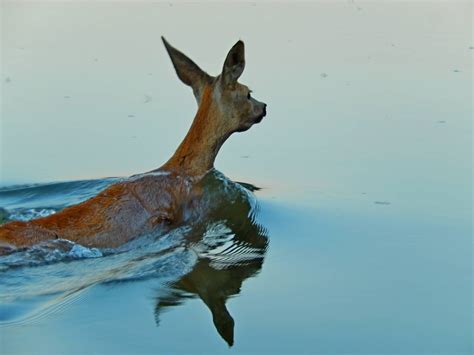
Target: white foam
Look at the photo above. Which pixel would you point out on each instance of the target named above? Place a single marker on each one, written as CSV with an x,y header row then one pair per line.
x,y
152,173
80,252
31,213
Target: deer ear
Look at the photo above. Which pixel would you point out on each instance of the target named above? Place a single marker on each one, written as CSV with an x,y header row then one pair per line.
x,y
234,63
188,71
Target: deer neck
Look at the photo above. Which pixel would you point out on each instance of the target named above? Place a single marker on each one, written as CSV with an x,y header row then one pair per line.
x,y
197,152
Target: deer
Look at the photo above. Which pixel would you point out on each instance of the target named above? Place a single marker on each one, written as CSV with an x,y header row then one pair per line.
x,y
166,197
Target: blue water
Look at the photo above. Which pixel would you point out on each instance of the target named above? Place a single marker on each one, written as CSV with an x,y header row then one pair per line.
x,y
208,259
359,240
305,276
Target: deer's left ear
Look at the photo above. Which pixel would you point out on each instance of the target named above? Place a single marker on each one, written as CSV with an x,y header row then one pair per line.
x,y
234,64
188,71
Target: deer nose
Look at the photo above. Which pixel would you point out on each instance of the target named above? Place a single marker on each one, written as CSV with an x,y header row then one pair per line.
x,y
264,109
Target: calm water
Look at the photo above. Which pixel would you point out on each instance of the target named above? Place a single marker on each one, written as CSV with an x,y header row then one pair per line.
x,y
360,238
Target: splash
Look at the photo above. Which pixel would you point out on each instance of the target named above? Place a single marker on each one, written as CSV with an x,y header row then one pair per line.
x,y
52,272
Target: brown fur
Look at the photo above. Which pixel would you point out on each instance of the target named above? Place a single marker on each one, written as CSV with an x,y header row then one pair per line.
x,y
202,136
153,201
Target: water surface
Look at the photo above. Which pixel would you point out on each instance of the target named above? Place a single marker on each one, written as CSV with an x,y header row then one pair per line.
x,y
359,240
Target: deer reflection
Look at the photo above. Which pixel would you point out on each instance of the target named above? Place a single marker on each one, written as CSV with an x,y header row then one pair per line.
x,y
230,246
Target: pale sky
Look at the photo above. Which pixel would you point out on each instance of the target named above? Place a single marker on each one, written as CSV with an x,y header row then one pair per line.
x,y
88,89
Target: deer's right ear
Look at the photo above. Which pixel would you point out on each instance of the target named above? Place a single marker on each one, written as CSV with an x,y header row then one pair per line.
x,y
187,70
234,64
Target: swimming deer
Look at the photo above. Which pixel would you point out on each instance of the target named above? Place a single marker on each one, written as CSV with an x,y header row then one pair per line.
x,y
165,197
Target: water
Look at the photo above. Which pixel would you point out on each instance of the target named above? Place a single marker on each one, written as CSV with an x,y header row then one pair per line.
x,y
360,238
